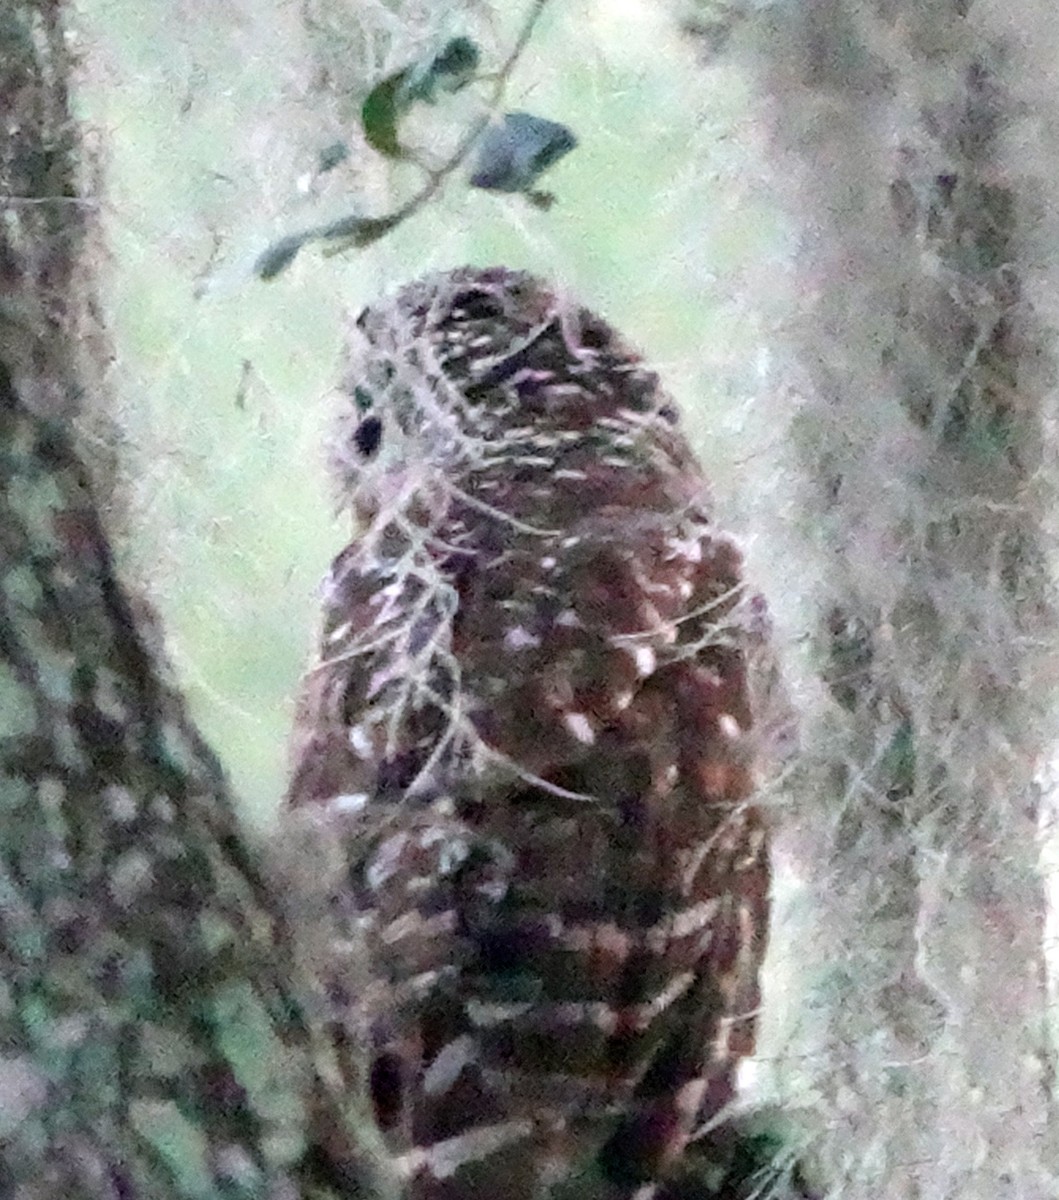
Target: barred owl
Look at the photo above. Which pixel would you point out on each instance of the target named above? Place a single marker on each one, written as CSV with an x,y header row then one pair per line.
x,y
528,723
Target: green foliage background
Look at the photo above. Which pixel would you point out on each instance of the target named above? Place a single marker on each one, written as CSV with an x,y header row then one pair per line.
x,y
209,116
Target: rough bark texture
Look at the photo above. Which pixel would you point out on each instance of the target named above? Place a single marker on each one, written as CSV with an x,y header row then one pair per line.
x,y
44,217
154,1040
129,918
151,1042
915,376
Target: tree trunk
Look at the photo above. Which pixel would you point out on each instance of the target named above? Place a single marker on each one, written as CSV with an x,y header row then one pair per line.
x,y
152,1044
914,374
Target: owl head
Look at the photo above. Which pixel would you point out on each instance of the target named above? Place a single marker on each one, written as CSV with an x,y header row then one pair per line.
x,y
473,369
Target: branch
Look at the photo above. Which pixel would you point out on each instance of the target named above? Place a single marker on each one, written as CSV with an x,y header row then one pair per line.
x,y
355,231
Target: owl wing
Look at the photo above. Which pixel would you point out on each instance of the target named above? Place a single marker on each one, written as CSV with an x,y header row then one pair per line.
x,y
640,913
564,935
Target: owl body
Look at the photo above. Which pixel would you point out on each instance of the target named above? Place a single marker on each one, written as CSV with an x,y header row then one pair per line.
x,y
529,725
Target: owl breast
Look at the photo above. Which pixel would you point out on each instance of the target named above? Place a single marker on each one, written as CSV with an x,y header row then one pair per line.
x,y
528,722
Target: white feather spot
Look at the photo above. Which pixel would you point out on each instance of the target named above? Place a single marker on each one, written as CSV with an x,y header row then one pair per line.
x,y
520,639
644,1014
570,619
485,1016
645,659
729,726
602,1016
349,802
386,862
494,890
608,939
695,919
340,632
388,593
581,727
414,925
360,742
378,680
689,549
453,856
448,1065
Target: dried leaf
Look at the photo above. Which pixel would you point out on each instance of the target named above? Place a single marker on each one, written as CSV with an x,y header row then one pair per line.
x,y
513,155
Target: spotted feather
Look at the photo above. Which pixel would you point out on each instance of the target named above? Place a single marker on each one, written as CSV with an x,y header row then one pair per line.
x,y
528,722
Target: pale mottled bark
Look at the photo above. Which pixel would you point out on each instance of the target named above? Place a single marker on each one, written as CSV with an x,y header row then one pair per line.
x,y
914,374
153,1042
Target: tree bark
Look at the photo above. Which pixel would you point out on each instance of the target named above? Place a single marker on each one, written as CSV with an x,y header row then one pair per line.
x,y
914,373
153,1039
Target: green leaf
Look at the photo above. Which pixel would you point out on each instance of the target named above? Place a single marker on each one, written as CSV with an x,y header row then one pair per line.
x,y
380,112
279,256
347,233
514,154
355,232
450,69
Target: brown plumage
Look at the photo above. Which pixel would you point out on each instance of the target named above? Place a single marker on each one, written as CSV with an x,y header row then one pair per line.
x,y
529,724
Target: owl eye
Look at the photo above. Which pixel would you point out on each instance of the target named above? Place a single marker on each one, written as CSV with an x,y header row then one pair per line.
x,y
368,437
475,305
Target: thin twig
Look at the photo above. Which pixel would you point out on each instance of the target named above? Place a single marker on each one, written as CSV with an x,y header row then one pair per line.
x,y
470,138
353,231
